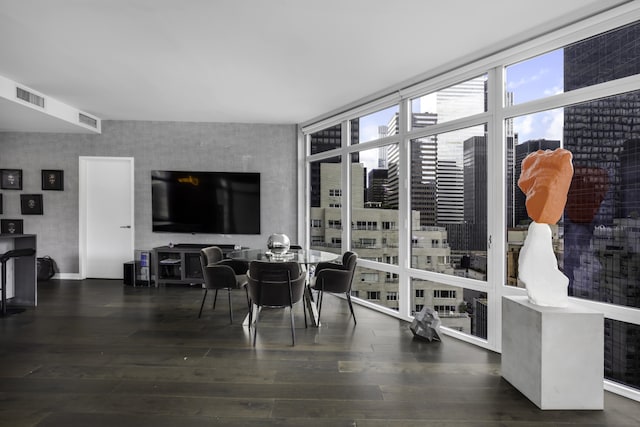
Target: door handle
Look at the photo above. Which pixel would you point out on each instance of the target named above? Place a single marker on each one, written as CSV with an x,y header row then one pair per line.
x,y
125,226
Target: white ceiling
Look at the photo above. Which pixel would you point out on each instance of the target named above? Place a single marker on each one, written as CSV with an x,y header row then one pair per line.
x,y
253,61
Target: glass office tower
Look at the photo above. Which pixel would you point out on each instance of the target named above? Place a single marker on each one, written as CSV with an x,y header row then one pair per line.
x,y
602,217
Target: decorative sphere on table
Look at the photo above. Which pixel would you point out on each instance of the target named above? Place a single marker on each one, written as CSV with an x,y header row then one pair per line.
x,y
278,243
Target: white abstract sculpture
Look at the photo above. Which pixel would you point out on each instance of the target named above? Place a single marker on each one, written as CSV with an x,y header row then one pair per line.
x,y
538,269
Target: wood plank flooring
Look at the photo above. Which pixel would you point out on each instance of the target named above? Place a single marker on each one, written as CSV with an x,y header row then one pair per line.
x,y
96,353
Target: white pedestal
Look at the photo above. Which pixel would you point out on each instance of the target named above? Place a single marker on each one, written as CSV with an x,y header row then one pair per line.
x,y
554,356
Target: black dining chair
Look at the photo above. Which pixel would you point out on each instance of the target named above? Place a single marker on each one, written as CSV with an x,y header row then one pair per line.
x,y
221,273
275,285
335,278
210,255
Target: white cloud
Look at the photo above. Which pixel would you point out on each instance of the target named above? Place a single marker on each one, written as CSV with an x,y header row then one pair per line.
x,y
553,91
512,85
547,125
370,159
523,126
369,132
555,128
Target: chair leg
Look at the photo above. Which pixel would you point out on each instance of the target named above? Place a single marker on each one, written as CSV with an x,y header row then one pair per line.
x,y
304,310
230,307
4,289
255,326
215,298
320,298
293,331
249,304
350,307
202,305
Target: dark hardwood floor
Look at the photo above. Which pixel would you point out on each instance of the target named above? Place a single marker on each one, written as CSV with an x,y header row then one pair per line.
x,y
96,353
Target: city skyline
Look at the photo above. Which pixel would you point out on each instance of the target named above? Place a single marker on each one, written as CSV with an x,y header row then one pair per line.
x,y
528,80
596,243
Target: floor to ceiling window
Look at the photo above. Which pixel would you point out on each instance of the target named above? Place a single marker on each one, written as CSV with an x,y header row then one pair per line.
x,y
430,177
374,227
597,242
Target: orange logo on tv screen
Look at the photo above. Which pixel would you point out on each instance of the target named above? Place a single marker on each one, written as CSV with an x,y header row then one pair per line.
x,y
189,180
545,180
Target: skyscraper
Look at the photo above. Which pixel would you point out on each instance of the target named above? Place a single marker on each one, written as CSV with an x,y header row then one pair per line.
x,y
325,140
423,169
475,191
601,245
450,192
377,189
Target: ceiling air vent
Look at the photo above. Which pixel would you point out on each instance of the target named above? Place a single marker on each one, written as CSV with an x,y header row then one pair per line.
x,y
29,97
89,121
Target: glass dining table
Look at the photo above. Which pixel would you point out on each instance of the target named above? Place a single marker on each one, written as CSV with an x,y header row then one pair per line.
x,y
306,258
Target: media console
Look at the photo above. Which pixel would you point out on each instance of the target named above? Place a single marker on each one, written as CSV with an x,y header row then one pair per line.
x,y
180,264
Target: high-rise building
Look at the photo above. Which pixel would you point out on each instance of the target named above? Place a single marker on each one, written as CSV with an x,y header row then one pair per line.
x,y
449,192
375,237
377,188
325,140
475,191
423,169
601,242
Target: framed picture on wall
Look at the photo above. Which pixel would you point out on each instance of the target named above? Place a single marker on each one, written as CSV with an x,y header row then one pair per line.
x,y
11,179
52,179
31,204
11,226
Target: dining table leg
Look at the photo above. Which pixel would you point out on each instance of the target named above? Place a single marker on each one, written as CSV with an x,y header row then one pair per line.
x,y
311,307
252,316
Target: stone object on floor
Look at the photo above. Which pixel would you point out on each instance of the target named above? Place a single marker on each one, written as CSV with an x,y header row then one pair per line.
x,y
426,325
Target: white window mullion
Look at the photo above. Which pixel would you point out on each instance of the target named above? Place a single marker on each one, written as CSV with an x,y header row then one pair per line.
x,y
304,210
404,213
496,224
346,186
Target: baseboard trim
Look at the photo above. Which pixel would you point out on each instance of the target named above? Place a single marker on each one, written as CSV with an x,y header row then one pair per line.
x,y
67,276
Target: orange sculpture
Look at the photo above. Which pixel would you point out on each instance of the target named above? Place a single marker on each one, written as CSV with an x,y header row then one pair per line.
x,y
545,180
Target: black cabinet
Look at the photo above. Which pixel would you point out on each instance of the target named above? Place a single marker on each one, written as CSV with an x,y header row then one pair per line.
x,y
180,264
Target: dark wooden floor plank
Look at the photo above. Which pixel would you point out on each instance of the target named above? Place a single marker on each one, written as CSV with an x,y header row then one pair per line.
x,y
96,353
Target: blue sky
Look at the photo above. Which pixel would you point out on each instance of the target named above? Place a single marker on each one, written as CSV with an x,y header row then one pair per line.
x,y
529,80
533,79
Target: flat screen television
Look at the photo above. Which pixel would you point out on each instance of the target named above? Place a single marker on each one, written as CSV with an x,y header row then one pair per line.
x,y
205,202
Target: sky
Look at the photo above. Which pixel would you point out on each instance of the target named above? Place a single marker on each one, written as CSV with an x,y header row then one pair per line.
x,y
533,79
529,80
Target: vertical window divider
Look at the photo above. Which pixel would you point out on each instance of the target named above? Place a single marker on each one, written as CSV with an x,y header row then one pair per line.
x,y
346,197
404,212
496,175
304,183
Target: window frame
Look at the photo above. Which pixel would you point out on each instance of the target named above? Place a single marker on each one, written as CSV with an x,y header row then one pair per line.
x,y
495,116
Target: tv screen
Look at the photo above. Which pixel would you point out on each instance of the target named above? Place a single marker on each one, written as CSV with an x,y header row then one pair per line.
x,y
205,202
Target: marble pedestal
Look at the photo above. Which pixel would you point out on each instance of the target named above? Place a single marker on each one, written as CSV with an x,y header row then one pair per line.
x,y
554,356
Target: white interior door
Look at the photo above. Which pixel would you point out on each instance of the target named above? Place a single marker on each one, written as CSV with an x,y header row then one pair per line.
x,y
106,216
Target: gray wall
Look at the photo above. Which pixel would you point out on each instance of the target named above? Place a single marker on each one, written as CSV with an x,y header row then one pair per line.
x,y
268,149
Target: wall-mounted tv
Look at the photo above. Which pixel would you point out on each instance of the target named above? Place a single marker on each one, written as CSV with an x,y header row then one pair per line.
x,y
205,202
